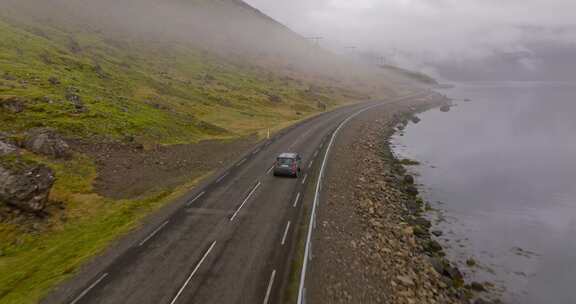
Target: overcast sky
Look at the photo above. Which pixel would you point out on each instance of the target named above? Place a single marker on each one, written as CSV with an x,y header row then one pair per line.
x,y
432,29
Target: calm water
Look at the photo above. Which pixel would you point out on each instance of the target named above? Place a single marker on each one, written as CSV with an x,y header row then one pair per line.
x,y
502,168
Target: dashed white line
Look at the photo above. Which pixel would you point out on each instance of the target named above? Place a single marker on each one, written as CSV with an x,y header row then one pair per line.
x,y
222,177
196,198
269,170
245,200
193,273
87,290
316,153
310,164
285,233
304,180
270,284
256,151
241,162
153,233
296,200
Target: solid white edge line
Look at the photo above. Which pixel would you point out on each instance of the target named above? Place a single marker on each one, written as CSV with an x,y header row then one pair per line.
x,y
244,202
296,200
269,290
316,199
87,290
151,235
241,162
193,273
222,177
196,198
304,179
285,233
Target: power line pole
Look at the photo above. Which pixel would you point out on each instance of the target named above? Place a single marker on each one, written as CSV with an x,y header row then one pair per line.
x,y
315,40
352,52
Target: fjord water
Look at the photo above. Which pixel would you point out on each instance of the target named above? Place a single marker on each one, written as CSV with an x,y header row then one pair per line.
x,y
501,171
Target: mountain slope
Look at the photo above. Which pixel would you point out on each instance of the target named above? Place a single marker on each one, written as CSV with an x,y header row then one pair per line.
x,y
170,88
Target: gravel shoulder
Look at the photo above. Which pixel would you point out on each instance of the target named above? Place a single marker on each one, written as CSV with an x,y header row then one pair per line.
x,y
371,244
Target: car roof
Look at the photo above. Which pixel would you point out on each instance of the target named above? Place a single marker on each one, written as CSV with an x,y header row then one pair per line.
x,y
288,155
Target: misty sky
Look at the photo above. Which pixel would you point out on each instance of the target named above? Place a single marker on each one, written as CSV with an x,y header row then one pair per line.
x,y
437,30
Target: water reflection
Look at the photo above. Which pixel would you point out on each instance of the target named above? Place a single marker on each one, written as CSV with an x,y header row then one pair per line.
x,y
504,168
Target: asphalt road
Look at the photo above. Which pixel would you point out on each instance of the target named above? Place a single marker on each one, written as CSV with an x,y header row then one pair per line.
x,y
230,241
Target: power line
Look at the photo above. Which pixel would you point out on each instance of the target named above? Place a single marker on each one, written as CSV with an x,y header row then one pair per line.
x,y
315,40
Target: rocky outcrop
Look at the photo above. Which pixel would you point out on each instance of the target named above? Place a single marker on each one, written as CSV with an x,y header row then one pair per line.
x,y
72,95
25,185
46,142
12,104
6,148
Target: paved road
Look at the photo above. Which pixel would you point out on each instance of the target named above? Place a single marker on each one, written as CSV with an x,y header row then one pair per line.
x,y
228,242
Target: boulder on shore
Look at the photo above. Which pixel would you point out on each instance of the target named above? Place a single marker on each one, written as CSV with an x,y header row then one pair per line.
x,y
46,142
25,185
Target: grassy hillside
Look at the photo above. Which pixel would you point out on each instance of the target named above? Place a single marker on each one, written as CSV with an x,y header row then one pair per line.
x,y
88,86
104,85
155,93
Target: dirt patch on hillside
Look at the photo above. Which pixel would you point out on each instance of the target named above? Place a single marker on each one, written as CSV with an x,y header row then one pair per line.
x,y
129,170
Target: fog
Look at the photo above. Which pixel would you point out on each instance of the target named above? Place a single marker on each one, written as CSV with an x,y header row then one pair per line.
x,y
435,33
228,28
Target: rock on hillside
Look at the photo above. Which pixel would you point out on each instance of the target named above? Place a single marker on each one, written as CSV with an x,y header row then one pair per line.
x,y
6,148
47,142
12,104
25,185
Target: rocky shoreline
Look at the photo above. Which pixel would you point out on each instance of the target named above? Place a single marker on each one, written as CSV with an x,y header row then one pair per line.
x,y
378,227
451,278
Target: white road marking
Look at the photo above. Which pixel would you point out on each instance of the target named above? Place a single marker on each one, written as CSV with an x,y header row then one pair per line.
x,y
310,164
222,177
316,153
285,233
193,273
153,233
196,198
87,290
269,290
240,162
256,151
245,200
304,180
296,200
269,170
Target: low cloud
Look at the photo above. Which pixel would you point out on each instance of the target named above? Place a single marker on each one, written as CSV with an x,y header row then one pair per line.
x,y
418,31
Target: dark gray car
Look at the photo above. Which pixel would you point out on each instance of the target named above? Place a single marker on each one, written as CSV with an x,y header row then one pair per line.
x,y
287,164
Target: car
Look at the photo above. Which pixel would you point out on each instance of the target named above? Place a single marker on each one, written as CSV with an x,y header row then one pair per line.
x,y
288,164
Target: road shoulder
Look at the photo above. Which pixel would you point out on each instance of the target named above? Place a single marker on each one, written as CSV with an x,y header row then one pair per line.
x,y
365,250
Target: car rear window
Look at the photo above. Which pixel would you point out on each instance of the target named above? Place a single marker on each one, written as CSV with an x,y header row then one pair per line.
x,y
285,161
